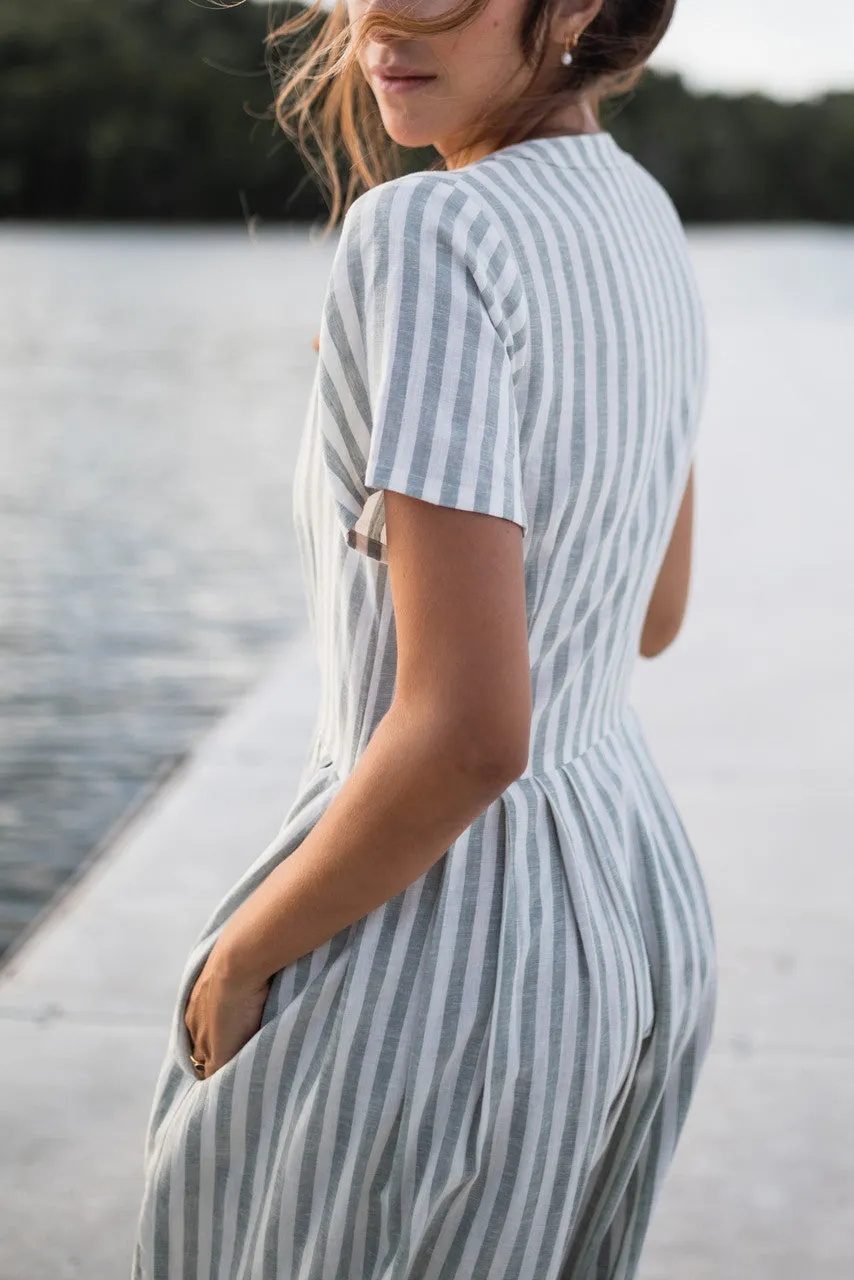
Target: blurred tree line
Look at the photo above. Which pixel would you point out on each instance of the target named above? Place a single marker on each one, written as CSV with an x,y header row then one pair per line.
x,y
159,109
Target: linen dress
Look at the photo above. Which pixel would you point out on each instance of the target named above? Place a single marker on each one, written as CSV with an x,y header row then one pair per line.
x,y
484,1078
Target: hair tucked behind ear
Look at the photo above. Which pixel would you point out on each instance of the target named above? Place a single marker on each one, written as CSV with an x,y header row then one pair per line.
x,y
324,104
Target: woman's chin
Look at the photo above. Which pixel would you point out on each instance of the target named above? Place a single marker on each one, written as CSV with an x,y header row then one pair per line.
x,y
407,132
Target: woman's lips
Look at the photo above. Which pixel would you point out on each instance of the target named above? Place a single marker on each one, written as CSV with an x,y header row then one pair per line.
x,y
402,84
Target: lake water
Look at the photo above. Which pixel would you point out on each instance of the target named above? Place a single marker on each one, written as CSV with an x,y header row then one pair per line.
x,y
152,388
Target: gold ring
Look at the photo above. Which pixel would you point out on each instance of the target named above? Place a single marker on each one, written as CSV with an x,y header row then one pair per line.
x,y
196,1063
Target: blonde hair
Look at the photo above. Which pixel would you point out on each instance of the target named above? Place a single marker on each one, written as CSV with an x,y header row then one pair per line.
x,y
325,106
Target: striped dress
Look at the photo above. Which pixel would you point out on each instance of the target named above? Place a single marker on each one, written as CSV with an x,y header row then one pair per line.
x,y
484,1078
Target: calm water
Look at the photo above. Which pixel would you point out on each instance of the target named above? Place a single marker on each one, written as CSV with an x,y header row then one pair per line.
x,y
152,386
152,389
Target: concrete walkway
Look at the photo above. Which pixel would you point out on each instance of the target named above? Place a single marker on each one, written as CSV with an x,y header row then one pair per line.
x,y
84,1003
763,1184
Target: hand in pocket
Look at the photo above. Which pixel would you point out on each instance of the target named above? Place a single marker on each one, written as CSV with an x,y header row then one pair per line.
x,y
222,1014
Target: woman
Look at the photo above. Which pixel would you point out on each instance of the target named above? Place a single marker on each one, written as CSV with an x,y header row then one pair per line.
x,y
449,1022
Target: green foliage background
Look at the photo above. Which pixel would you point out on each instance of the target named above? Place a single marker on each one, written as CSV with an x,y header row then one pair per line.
x,y
153,110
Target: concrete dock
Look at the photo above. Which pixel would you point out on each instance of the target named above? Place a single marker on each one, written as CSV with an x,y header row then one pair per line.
x,y
84,1002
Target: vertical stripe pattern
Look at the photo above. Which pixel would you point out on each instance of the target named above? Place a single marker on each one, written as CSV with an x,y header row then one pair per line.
x,y
487,1076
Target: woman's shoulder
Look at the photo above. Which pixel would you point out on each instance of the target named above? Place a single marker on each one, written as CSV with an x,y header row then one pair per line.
x,y
416,204
436,217
411,188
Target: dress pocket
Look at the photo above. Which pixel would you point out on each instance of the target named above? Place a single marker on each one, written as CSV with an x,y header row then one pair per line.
x,y
180,1045
181,1042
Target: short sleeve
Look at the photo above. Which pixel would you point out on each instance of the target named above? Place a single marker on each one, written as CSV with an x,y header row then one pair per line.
x,y
418,338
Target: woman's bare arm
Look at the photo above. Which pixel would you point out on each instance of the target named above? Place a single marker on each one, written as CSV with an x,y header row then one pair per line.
x,y
458,583
666,608
455,736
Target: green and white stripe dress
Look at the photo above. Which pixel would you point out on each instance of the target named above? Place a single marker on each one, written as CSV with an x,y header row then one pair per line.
x,y
485,1077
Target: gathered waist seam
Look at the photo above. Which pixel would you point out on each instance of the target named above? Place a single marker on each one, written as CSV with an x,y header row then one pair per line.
x,y
559,761
326,758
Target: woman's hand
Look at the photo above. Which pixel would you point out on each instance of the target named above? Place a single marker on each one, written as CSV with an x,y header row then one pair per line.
x,y
223,1012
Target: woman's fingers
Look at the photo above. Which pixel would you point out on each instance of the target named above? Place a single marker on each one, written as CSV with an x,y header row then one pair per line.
x,y
221,1018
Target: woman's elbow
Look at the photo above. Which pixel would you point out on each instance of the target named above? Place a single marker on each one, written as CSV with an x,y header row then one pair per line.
x,y
498,755
501,758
